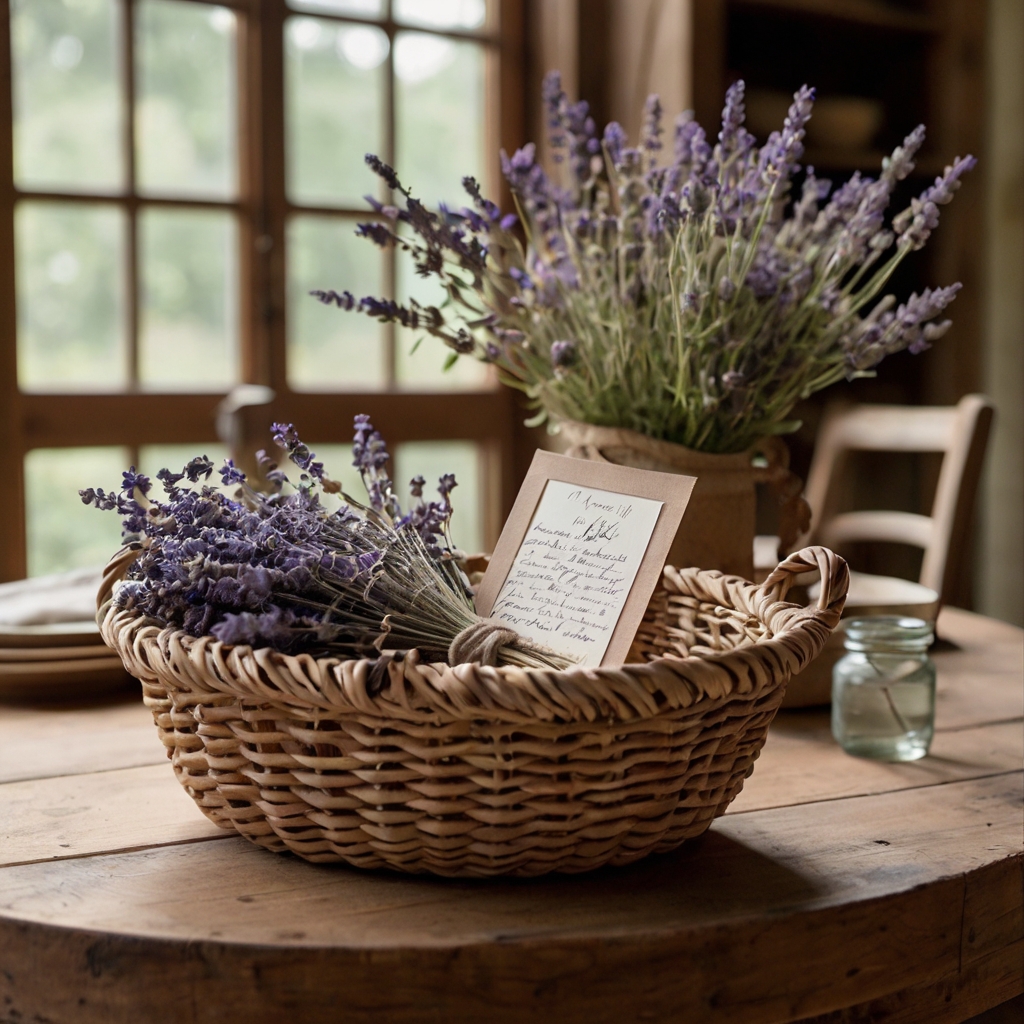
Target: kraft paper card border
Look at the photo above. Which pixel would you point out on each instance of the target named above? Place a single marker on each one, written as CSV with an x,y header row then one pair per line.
x,y
671,489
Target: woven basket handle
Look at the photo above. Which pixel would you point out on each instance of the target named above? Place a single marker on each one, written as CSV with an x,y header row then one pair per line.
x,y
114,571
835,581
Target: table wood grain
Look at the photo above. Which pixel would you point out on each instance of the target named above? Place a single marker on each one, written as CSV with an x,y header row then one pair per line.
x,y
835,889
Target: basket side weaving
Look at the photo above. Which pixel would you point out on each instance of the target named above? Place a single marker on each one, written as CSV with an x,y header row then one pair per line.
x,y
475,770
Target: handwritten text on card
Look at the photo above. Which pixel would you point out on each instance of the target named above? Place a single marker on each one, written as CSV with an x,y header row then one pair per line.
x,y
574,570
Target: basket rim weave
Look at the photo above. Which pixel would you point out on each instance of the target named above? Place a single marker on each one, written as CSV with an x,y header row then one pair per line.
x,y
414,690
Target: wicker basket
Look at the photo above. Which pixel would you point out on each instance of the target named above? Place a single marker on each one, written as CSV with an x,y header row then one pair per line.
x,y
484,771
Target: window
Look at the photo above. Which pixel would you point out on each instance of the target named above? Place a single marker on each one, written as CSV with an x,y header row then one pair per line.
x,y
182,174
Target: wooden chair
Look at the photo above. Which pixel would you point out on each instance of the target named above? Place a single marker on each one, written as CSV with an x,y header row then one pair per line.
x,y
960,432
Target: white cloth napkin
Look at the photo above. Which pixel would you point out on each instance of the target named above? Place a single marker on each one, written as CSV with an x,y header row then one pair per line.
x,y
62,597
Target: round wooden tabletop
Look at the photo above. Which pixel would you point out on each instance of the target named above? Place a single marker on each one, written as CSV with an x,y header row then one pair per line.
x,y
834,889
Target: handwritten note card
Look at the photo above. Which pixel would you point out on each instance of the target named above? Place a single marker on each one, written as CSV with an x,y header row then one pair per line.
x,y
581,553
578,560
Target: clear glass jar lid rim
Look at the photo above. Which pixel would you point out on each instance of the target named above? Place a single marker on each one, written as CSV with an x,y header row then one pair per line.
x,y
889,627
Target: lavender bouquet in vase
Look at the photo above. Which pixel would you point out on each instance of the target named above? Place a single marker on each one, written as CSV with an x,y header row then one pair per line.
x,y
668,309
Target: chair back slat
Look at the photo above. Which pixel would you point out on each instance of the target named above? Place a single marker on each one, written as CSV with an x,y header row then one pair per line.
x,y
960,432
894,527
894,428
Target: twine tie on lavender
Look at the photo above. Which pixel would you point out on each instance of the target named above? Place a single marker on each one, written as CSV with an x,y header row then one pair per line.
x,y
480,642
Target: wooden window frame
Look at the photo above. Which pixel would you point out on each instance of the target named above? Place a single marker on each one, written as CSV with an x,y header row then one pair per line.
x,y
489,417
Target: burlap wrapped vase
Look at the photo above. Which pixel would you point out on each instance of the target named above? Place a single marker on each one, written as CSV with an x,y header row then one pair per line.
x,y
717,531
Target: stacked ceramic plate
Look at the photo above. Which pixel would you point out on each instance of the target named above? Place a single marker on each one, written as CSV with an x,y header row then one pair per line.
x,y
61,660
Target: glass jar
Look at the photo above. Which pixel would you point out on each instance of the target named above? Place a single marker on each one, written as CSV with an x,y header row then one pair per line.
x,y
883,689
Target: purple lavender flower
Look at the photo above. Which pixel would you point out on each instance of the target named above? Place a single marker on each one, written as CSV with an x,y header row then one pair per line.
x,y
733,113
367,560
814,191
363,427
267,629
614,142
916,229
863,226
691,153
650,129
378,233
169,480
97,497
198,467
369,451
540,199
133,481
343,300
382,170
231,474
521,278
370,456
733,139
490,210
553,98
896,167
883,331
916,223
941,192
766,273
784,149
287,437
446,484
520,167
563,354
912,315
572,130
841,208
698,197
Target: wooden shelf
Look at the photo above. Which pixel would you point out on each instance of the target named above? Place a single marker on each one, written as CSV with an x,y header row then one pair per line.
x,y
870,13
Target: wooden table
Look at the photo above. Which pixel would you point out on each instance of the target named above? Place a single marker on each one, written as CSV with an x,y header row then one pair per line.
x,y
835,889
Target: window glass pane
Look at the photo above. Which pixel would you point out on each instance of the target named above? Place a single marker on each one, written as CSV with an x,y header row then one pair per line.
x,y
70,291
185,118
329,348
188,315
62,532
67,109
335,77
439,108
457,14
357,8
432,459
420,367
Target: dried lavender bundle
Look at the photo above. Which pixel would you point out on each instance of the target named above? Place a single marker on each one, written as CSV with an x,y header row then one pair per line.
x,y
694,301
285,570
